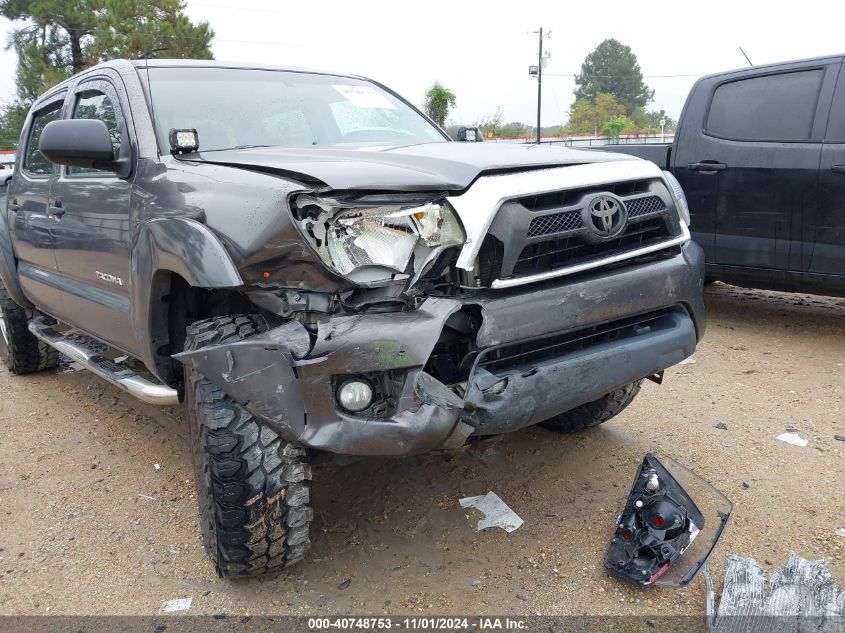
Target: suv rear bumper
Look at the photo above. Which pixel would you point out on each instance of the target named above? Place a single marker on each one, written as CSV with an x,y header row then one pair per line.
x,y
278,378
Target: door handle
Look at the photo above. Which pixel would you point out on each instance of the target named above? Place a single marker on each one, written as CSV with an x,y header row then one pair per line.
x,y
56,209
707,166
14,207
838,169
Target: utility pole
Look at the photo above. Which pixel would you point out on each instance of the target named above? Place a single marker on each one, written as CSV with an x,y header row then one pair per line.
x,y
540,63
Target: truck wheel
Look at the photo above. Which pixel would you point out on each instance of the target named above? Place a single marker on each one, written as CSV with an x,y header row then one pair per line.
x,y
20,350
594,413
252,487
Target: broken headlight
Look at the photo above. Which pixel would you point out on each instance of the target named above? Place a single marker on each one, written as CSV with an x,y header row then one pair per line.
x,y
379,240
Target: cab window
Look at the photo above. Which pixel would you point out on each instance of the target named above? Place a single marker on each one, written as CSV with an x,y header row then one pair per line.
x,y
94,104
779,107
34,161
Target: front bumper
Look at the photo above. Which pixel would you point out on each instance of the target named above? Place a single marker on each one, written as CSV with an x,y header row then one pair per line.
x,y
280,380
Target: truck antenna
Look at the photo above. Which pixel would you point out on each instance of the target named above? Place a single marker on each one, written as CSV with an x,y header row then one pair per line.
x,y
150,89
746,56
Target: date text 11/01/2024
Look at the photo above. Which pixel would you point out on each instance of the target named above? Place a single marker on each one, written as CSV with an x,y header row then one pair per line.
x,y
416,624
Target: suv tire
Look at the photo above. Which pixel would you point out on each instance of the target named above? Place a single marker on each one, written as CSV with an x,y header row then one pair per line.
x,y
594,413
252,486
21,352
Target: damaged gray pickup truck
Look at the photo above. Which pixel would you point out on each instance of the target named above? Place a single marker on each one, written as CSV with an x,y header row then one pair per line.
x,y
309,263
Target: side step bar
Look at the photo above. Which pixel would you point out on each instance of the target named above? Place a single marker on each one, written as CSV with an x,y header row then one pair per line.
x,y
123,377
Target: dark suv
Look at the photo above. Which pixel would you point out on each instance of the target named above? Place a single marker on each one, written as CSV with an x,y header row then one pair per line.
x,y
310,263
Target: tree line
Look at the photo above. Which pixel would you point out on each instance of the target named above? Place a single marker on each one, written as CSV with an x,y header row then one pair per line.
x,y
610,100
59,38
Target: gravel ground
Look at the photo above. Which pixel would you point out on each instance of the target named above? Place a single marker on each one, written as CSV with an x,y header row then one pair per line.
x,y
98,515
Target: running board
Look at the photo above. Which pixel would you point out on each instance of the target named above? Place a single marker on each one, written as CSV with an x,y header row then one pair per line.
x,y
94,361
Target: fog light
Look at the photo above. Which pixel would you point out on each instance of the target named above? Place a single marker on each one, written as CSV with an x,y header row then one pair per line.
x,y
355,395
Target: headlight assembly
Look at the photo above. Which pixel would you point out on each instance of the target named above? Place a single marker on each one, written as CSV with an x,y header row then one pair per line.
x,y
678,194
370,242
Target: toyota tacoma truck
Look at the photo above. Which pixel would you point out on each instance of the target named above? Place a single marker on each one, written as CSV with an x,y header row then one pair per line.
x,y
760,153
310,264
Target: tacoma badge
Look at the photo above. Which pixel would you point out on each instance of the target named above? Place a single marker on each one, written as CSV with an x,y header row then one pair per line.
x,y
108,278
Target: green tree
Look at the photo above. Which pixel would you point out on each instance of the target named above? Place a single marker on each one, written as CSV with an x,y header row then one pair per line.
x,y
437,102
612,68
616,125
589,116
155,28
12,118
59,38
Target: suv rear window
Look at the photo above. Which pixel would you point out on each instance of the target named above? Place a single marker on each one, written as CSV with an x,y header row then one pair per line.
x,y
34,161
777,107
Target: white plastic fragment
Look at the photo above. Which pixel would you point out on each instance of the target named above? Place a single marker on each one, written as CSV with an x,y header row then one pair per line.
x,y
147,497
496,512
792,438
157,466
179,604
689,360
840,532
800,596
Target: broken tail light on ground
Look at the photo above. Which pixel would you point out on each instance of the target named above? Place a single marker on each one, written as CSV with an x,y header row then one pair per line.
x,y
671,522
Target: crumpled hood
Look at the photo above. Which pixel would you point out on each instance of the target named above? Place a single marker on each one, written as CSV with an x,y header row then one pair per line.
x,y
449,166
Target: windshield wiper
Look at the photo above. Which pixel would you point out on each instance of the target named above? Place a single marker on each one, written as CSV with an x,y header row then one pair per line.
x,y
226,149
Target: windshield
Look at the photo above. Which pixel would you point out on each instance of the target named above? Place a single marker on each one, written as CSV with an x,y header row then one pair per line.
x,y
237,108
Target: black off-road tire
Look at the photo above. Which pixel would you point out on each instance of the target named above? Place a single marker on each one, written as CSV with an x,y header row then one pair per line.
x,y
594,413
20,351
253,488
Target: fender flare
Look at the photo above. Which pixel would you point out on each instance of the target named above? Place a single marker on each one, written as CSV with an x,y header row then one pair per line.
x,y
182,246
8,264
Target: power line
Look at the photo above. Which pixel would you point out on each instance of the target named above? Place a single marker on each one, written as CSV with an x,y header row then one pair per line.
x,y
231,8
644,76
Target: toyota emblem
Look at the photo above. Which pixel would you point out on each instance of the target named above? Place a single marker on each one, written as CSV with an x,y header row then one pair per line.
x,y
606,216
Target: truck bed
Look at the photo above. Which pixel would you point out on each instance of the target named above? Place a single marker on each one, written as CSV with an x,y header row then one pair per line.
x,y
657,153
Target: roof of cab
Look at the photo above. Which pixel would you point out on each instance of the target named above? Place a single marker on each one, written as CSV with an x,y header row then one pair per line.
x,y
214,63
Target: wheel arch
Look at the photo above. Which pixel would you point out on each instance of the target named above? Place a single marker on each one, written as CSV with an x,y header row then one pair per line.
x,y
9,266
173,254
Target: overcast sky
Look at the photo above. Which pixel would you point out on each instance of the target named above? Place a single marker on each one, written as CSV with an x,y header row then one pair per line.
x,y
482,49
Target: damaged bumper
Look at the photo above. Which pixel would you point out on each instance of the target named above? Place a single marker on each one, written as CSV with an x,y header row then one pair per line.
x,y
542,350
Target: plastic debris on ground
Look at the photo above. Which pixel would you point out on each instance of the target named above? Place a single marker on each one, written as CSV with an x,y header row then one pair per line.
x,y
179,604
689,360
496,512
792,438
800,596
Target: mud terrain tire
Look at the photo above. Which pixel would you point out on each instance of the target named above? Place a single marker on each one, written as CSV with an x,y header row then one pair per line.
x,y
594,413
253,488
20,351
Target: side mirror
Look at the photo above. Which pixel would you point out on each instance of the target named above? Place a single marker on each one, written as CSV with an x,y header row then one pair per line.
x,y
465,134
79,143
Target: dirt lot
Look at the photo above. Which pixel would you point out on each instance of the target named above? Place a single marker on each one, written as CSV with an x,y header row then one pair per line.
x,y
97,511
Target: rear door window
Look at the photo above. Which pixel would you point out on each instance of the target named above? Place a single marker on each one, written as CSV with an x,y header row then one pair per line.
x,y
33,160
779,107
836,122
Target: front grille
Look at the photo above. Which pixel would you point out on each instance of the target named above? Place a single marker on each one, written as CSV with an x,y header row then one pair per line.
x,y
572,220
524,354
639,207
542,257
555,223
542,233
